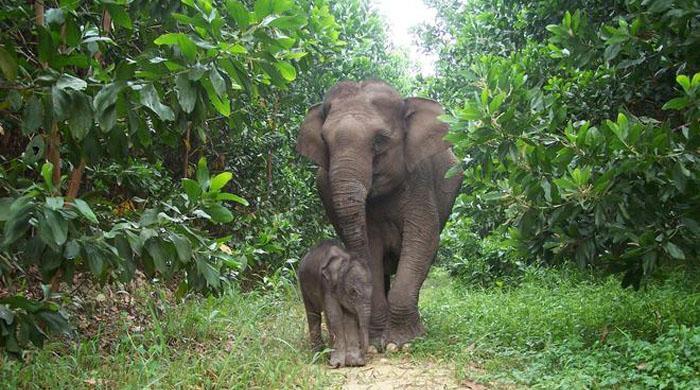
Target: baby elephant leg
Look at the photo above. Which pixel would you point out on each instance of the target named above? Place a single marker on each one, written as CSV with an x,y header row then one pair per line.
x,y
354,356
313,317
336,330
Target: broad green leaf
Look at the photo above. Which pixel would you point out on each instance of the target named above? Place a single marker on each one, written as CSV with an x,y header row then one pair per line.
x,y
58,226
674,251
120,16
62,104
678,103
54,16
80,119
17,223
232,197
222,103
202,174
219,181
239,13
217,81
186,92
94,257
67,81
263,8
85,210
684,81
105,105
219,213
183,246
71,250
157,253
192,189
210,274
286,70
289,22
47,174
181,40
8,64
54,202
150,99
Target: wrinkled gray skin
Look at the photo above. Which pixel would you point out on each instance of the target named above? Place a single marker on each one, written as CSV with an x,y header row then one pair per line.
x,y
334,283
381,176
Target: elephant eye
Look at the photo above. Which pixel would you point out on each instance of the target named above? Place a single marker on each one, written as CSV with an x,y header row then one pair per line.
x,y
380,142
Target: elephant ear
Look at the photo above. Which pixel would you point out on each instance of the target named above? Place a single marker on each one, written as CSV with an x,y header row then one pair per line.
x,y
309,141
424,131
333,266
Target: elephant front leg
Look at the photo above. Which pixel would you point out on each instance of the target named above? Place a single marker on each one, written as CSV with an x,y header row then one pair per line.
x,y
354,355
420,242
379,317
335,321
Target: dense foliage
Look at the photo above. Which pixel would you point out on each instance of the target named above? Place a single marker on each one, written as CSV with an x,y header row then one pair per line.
x,y
113,116
578,126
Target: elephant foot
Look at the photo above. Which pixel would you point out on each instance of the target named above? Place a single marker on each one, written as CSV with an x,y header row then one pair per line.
x,y
402,335
354,359
337,360
391,347
377,340
372,350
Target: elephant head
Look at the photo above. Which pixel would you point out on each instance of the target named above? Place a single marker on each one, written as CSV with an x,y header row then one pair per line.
x,y
369,140
348,280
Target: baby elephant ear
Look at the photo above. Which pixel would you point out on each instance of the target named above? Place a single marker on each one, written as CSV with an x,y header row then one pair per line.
x,y
332,266
309,141
424,131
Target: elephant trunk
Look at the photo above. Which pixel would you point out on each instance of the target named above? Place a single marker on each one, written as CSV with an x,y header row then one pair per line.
x,y
350,181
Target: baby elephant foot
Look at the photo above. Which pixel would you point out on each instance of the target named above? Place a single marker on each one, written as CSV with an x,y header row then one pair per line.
x,y
337,359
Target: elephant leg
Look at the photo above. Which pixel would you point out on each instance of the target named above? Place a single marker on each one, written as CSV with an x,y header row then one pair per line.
x,y
353,355
335,320
313,317
419,245
378,319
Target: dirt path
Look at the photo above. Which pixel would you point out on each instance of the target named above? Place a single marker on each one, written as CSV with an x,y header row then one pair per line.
x,y
400,373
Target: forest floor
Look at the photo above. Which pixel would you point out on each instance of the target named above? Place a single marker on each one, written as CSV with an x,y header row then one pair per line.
x,y
550,329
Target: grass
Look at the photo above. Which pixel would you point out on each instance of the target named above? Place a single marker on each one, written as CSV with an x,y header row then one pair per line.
x,y
557,329
234,341
560,329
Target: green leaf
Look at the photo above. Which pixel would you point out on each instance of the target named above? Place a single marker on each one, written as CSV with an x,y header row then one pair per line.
x,y
183,246
186,93
675,251
191,189
232,197
94,258
17,223
263,8
157,253
219,181
54,202
211,274
58,226
33,115
47,174
222,103
678,103
202,174
120,16
105,105
67,81
54,16
8,64
684,81
286,70
217,81
239,13
85,210
181,40
150,99
61,101
71,250
80,120
219,213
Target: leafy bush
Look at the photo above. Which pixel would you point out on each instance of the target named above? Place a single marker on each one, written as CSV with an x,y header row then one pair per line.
x,y
531,124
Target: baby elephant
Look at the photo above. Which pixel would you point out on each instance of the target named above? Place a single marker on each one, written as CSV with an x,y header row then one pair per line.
x,y
339,285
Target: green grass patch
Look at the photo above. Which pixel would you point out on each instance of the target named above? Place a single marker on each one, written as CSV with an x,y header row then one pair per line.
x,y
233,341
563,329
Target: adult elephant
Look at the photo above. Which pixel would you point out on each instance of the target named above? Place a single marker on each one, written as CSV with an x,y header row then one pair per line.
x,y
381,176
